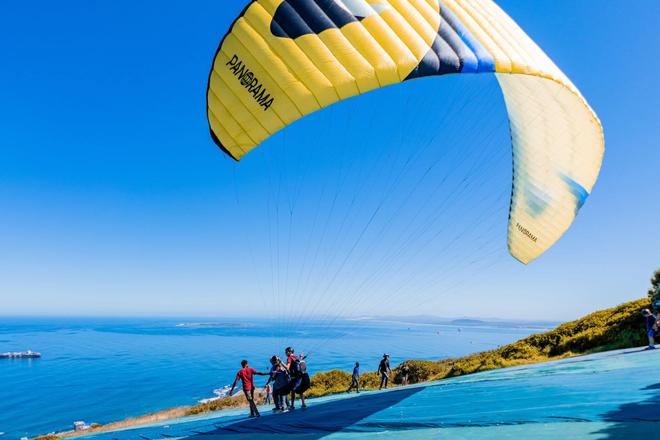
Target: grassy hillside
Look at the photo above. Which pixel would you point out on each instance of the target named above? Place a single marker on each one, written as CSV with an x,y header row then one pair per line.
x,y
609,329
619,327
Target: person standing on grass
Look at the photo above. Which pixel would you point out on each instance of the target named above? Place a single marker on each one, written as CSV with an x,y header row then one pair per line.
x,y
405,371
384,371
355,379
246,375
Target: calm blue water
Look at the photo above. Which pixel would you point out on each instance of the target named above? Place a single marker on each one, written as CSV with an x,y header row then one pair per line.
x,y
101,370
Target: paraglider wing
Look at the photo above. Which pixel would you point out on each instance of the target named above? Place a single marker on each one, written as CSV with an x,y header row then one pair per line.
x,y
284,59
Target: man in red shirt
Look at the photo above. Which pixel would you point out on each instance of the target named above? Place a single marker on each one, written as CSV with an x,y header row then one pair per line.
x,y
246,375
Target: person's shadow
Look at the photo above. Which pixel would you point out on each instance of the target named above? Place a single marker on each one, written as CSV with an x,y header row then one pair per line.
x,y
635,420
312,423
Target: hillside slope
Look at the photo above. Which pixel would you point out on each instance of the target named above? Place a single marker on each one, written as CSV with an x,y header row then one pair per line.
x,y
617,327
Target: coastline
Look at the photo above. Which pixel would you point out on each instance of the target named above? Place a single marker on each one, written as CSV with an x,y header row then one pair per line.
x,y
613,328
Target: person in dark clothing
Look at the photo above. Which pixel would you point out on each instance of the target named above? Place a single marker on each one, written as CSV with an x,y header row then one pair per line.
x,y
355,379
384,371
651,327
281,382
246,375
297,368
405,371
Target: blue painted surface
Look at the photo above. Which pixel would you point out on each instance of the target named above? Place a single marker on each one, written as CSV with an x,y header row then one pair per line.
x,y
605,396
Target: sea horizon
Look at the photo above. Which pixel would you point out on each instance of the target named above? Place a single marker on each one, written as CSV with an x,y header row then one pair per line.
x,y
416,318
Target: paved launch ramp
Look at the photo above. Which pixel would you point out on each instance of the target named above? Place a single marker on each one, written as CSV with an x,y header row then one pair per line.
x,y
612,395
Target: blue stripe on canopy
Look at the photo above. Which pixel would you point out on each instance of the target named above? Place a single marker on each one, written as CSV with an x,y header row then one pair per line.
x,y
486,63
578,191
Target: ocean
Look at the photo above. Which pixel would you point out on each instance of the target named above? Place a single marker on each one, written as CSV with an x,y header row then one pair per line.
x,y
102,370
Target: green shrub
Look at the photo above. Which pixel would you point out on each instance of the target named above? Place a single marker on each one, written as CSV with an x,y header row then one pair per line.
x,y
329,382
215,405
418,371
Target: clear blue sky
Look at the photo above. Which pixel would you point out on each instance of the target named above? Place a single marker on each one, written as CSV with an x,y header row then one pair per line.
x,y
114,200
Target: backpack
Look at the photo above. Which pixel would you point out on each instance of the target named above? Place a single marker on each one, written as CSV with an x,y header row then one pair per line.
x,y
295,367
298,366
281,379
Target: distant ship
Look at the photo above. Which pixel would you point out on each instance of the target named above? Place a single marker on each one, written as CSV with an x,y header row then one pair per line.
x,y
20,355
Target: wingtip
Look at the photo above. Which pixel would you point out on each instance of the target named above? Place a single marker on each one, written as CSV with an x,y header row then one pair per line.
x,y
220,145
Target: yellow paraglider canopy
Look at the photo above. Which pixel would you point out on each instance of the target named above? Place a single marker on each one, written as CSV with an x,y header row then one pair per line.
x,y
284,59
